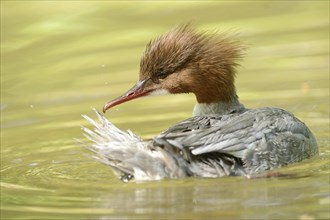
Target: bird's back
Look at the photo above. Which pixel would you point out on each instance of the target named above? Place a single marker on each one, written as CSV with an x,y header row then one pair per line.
x,y
261,139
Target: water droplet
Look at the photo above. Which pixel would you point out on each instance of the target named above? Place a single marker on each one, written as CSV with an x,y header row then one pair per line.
x,y
33,164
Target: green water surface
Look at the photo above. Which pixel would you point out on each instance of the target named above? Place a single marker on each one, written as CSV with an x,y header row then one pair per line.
x,y
59,59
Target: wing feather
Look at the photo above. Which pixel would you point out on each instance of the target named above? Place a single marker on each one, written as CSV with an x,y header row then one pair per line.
x,y
231,134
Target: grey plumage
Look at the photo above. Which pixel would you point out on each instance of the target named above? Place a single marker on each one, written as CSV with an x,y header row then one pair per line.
x,y
238,143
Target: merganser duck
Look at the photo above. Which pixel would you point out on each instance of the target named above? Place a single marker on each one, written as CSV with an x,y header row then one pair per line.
x,y
222,138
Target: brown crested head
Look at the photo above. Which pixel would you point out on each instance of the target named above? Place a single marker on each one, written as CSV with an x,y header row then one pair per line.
x,y
183,61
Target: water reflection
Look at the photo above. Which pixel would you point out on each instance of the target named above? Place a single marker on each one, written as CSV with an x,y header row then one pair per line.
x,y
235,197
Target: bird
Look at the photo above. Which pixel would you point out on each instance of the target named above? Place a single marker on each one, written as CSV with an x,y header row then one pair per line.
x,y
222,138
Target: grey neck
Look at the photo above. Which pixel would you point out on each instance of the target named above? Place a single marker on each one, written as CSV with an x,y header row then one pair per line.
x,y
218,108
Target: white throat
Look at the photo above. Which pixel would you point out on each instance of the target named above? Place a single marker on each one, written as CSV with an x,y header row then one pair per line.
x,y
218,108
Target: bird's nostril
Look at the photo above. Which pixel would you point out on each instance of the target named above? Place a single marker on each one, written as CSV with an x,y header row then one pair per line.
x,y
130,94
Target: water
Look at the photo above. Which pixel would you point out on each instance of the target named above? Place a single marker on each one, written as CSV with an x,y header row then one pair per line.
x,y
59,59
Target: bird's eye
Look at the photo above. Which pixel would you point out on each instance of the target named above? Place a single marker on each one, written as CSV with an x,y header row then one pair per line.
x,y
161,75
